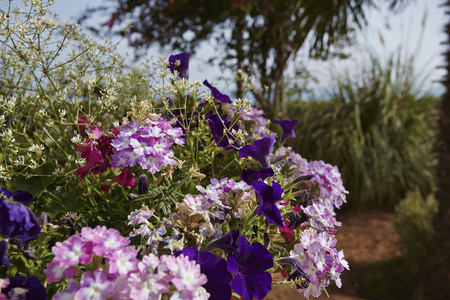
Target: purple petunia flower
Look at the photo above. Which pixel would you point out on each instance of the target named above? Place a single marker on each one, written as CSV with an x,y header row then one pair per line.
x,y
260,150
288,129
217,126
182,67
249,264
215,269
250,175
216,94
267,206
227,243
15,218
33,287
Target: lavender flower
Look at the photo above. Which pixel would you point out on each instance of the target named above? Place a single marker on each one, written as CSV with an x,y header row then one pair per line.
x,y
260,150
216,94
182,67
267,206
288,129
249,264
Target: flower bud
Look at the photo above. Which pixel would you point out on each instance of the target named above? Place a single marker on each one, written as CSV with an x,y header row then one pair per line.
x,y
143,186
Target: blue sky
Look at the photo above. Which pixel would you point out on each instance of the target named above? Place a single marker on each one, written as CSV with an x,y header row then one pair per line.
x,y
399,31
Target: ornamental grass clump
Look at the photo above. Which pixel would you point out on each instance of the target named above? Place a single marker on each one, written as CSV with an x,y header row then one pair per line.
x,y
145,185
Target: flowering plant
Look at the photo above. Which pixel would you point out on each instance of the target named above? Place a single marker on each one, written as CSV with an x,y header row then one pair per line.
x,y
147,187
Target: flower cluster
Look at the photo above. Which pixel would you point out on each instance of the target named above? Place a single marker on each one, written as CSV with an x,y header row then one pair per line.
x,y
216,201
147,144
219,205
123,276
319,260
97,150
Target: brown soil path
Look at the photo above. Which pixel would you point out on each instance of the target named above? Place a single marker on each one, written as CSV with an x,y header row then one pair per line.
x,y
365,238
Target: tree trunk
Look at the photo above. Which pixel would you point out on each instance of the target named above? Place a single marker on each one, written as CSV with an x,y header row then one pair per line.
x,y
435,278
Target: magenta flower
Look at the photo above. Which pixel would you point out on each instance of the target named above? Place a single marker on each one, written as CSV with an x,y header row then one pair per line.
x,y
217,94
260,150
288,129
182,67
249,264
126,178
267,206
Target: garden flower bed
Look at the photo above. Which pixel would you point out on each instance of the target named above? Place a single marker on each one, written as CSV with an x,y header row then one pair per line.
x,y
122,184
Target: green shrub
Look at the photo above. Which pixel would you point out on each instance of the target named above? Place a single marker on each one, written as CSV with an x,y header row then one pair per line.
x,y
414,223
378,130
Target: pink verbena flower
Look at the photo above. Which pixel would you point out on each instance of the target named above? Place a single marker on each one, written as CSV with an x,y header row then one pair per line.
x,y
95,285
150,281
186,274
110,242
55,272
123,262
72,251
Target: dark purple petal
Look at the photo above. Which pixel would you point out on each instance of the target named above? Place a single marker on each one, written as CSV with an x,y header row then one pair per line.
x,y
5,192
4,260
288,129
249,264
260,150
251,285
267,206
217,126
250,175
219,278
183,68
16,220
23,197
216,94
257,258
227,243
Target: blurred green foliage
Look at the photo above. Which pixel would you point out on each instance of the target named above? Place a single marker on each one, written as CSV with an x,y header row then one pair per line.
x,y
378,128
414,224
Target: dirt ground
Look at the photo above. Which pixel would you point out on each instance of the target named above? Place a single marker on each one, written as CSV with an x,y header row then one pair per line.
x,y
366,238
